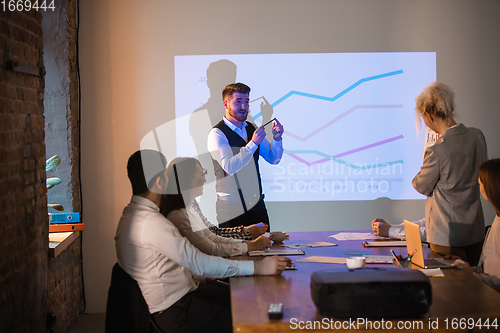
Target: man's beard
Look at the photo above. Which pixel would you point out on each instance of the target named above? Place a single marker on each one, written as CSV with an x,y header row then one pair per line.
x,y
237,115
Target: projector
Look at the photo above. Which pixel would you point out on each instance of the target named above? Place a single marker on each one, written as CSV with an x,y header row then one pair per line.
x,y
371,293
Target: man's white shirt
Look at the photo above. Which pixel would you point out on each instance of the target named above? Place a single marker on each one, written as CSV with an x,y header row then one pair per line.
x,y
220,150
153,252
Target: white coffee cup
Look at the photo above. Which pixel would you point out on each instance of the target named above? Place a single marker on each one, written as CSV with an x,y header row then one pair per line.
x,y
355,262
277,236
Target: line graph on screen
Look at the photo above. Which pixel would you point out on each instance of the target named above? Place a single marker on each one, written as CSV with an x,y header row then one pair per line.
x,y
348,119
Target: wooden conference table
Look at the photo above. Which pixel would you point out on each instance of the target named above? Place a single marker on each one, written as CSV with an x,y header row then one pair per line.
x,y
457,295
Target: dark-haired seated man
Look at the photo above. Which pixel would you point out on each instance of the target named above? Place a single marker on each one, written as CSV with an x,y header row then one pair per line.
x,y
164,264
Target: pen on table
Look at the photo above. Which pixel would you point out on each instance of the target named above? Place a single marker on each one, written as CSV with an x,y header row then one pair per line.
x,y
270,121
395,257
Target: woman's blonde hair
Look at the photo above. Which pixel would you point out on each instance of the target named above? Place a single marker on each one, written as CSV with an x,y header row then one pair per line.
x,y
438,100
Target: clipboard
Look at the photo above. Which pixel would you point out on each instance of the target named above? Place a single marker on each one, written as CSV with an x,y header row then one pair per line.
x,y
271,252
383,243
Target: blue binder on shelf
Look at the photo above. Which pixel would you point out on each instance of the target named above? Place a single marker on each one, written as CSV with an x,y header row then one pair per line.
x,y
64,218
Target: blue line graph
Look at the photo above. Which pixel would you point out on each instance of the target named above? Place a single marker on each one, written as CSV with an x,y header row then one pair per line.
x,y
353,166
334,98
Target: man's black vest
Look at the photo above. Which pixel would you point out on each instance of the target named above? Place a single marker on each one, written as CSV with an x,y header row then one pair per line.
x,y
248,178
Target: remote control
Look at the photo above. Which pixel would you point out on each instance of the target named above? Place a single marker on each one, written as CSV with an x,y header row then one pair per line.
x,y
275,311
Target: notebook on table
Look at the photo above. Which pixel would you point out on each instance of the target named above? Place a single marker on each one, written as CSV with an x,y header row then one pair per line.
x,y
276,252
414,242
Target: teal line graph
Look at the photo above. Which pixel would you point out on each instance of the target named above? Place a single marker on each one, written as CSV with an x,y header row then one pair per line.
x,y
334,98
293,152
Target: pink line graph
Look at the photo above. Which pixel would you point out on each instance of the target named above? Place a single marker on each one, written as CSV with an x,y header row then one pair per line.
x,y
333,121
347,152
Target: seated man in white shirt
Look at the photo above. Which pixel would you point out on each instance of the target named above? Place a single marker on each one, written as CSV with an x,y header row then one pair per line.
x,y
166,266
381,228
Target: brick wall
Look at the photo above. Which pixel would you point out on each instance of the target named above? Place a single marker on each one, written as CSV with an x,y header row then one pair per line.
x,y
23,202
32,284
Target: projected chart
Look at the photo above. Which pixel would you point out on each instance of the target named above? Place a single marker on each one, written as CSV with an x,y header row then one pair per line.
x,y
349,118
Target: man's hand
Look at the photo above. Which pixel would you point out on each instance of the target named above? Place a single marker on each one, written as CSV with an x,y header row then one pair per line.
x,y
451,257
256,229
259,135
277,130
271,265
380,227
260,243
462,265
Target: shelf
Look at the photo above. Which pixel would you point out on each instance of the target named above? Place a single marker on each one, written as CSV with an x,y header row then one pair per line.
x,y
58,241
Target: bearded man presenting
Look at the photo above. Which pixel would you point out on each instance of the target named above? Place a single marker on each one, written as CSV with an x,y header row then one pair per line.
x,y
235,146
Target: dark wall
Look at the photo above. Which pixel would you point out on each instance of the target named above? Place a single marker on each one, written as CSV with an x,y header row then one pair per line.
x,y
31,283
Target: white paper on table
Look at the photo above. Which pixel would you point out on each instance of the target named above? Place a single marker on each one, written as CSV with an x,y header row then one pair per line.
x,y
323,260
370,259
390,243
373,259
433,272
276,252
315,244
356,236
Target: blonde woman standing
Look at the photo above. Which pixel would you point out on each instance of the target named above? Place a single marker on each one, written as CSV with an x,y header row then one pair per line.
x,y
448,177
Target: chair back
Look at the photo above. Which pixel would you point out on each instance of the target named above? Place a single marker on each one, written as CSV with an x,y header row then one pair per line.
x,y
126,309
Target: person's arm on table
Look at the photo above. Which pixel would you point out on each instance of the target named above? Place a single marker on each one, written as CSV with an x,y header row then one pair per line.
x,y
460,264
270,265
206,241
245,233
217,245
182,252
232,232
491,280
256,229
381,228
260,243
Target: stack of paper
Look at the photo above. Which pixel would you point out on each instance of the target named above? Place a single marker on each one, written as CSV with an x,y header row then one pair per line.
x,y
370,259
384,243
356,236
280,252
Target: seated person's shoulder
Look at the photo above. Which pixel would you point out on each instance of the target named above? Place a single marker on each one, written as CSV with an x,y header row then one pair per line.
x,y
179,218
159,223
